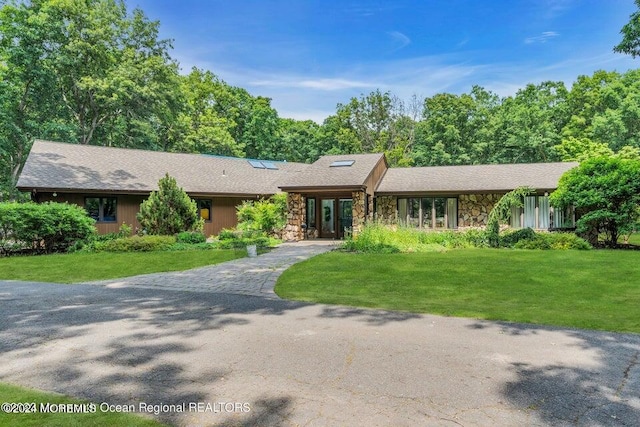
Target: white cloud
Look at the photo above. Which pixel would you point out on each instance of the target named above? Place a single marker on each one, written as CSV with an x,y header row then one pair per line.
x,y
324,84
399,39
542,38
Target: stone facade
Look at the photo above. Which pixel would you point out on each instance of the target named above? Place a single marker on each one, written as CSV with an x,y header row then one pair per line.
x,y
386,207
295,217
370,211
359,210
473,209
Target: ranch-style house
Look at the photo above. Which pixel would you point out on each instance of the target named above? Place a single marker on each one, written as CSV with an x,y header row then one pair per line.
x,y
326,199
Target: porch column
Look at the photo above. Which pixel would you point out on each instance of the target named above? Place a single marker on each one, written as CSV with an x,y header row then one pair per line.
x,y
295,217
359,209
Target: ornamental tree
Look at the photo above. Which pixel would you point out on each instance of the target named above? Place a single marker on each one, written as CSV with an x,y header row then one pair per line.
x,y
501,212
169,210
605,192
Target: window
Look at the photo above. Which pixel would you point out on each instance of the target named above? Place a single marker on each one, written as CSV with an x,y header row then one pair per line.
x,y
452,212
102,209
429,212
563,218
536,213
413,217
204,209
311,212
543,212
530,211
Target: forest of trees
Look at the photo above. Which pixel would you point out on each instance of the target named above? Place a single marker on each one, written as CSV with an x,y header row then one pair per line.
x,y
90,72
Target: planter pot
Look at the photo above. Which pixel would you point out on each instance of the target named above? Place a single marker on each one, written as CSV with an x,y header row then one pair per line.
x,y
252,251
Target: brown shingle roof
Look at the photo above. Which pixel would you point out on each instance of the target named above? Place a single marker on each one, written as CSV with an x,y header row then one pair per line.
x,y
456,179
59,166
321,175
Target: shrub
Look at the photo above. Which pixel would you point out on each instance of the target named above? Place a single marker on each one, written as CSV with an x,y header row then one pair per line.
x,y
124,231
238,239
136,244
553,241
191,246
169,210
191,237
45,227
510,237
269,216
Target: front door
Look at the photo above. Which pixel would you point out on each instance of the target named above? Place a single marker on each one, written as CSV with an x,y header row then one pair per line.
x,y
328,218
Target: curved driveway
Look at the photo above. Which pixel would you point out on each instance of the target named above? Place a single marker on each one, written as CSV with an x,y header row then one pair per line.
x,y
297,364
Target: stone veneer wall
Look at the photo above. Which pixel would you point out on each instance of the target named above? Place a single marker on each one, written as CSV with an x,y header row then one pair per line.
x,y
359,209
295,217
386,207
473,209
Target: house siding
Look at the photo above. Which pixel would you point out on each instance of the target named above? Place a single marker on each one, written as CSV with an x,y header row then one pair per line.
x,y
223,210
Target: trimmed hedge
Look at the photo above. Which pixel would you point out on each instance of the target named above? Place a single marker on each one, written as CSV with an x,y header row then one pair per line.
x,y
192,237
136,244
43,227
553,241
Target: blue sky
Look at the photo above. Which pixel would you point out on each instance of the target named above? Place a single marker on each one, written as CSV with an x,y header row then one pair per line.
x,y
309,55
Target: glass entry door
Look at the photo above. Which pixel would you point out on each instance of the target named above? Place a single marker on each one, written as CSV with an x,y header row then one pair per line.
x,y
328,218
345,217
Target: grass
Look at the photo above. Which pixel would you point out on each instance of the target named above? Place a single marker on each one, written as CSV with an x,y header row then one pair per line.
x,y
597,289
14,394
634,239
82,267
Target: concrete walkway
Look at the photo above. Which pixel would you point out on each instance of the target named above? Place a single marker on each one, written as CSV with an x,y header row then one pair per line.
x,y
245,276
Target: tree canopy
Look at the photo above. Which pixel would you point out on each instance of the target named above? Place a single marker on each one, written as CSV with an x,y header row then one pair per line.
x,y
91,72
630,43
605,192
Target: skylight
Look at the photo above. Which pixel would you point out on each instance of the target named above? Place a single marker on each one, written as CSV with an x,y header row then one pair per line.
x,y
259,164
341,163
270,165
256,164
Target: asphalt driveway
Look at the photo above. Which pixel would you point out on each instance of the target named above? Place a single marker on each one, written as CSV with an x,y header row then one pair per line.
x,y
285,363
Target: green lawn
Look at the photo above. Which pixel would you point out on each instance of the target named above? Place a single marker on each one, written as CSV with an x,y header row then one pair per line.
x,y
82,267
13,394
634,239
598,289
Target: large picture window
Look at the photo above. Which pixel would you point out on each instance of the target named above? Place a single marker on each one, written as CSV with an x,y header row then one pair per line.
x,y
102,209
538,214
428,212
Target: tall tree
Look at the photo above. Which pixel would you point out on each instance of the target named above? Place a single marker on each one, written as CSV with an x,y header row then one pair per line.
x,y
106,67
299,140
381,123
260,134
630,43
206,123
528,126
606,192
454,128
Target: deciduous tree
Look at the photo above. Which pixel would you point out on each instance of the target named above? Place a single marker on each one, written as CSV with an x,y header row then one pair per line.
x,y
605,192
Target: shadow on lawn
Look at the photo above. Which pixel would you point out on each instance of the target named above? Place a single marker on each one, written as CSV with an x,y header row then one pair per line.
x,y
606,394
72,339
